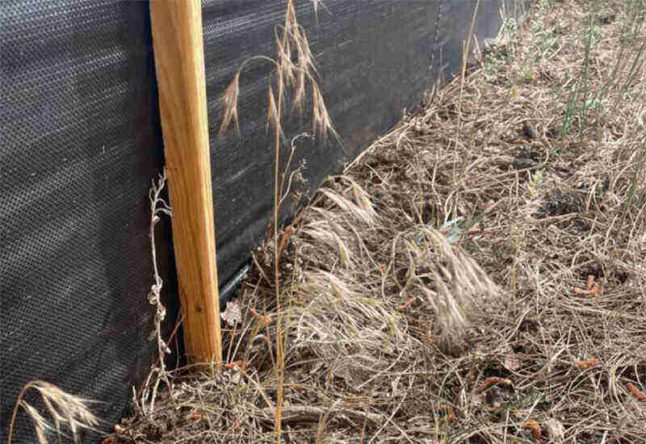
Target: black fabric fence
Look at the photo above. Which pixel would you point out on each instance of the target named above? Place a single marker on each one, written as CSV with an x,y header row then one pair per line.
x,y
81,141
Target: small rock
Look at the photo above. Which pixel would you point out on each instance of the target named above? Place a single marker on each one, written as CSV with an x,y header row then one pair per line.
x,y
523,164
560,203
525,158
235,377
529,131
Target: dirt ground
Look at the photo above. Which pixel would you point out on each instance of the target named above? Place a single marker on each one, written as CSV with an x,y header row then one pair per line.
x,y
477,275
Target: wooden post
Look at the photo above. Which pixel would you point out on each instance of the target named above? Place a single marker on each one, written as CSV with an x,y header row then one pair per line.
x,y
179,61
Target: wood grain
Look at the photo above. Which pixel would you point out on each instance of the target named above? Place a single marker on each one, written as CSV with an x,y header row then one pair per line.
x,y
179,61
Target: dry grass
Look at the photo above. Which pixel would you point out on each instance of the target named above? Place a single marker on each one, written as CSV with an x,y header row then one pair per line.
x,y
293,73
68,415
440,290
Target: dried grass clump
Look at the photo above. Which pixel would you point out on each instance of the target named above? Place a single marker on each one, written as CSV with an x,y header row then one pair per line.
x,y
427,293
293,73
67,413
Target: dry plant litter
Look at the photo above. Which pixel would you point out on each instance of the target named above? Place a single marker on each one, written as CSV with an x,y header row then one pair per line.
x,y
477,275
